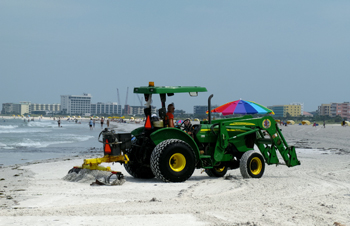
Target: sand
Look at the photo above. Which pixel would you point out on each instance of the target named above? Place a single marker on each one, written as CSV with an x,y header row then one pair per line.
x,y
315,193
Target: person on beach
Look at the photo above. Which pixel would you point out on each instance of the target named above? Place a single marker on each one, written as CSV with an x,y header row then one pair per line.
x,y
108,123
93,122
188,127
324,124
170,116
90,123
102,120
59,122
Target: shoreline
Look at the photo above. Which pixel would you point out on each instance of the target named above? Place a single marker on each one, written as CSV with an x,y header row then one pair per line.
x,y
79,147
315,193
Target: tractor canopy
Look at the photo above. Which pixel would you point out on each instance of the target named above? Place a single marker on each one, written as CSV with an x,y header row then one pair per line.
x,y
163,91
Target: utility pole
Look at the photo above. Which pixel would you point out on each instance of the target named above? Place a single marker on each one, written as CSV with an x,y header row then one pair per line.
x,y
119,103
126,102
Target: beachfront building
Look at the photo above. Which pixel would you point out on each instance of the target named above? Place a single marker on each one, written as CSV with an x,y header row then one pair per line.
x,y
44,109
278,110
325,110
297,107
139,110
202,109
76,104
22,108
111,108
294,110
26,107
334,109
127,109
17,109
343,109
7,108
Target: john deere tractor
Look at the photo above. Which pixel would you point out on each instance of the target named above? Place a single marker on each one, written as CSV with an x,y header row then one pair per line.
x,y
171,154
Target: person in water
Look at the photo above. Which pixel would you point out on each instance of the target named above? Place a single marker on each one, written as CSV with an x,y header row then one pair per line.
x,y
102,120
90,123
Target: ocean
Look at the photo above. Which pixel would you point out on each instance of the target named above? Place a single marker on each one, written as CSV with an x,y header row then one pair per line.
x,y
22,141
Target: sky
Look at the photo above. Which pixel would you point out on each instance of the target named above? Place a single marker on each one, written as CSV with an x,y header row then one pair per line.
x,y
269,52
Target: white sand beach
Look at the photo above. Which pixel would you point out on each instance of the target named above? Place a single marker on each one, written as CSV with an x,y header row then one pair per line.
x,y
315,193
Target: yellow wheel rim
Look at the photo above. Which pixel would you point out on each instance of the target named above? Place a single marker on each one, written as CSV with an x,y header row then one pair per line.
x,y
255,166
219,169
177,162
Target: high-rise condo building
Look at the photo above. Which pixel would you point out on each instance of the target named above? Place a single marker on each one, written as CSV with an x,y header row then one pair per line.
x,y
76,104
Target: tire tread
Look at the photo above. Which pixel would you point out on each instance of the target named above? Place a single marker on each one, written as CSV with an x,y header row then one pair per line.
x,y
156,155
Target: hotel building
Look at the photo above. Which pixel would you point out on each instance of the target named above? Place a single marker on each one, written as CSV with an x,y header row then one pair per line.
x,y
76,104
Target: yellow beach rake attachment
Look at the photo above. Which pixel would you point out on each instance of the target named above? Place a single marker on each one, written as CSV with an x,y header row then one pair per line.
x,y
94,164
114,146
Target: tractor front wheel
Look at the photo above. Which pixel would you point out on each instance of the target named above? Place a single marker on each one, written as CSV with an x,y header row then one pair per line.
x,y
252,165
217,171
173,160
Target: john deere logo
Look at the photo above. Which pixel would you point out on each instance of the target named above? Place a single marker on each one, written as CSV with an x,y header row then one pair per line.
x,y
266,123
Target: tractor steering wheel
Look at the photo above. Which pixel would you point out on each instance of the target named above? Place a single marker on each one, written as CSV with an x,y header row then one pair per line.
x,y
183,127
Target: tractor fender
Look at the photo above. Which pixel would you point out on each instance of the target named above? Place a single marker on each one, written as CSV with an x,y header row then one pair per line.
x,y
137,131
174,133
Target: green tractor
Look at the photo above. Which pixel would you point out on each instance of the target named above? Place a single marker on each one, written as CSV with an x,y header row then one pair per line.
x,y
171,154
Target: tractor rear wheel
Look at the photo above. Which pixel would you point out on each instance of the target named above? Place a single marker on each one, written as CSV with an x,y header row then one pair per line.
x,y
137,169
217,171
252,165
173,160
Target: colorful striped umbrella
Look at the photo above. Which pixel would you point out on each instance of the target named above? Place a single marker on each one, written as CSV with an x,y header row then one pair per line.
x,y
242,107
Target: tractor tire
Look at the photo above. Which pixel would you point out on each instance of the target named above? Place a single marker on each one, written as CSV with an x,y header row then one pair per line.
x,y
252,165
218,171
137,170
173,160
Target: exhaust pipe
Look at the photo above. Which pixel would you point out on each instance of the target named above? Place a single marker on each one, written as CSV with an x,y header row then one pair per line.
x,y
209,108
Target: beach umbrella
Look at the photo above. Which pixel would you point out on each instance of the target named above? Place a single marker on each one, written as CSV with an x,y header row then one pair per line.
x,y
243,107
290,122
305,122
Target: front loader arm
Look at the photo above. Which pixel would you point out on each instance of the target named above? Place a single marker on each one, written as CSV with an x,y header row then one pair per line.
x,y
288,153
276,140
267,146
